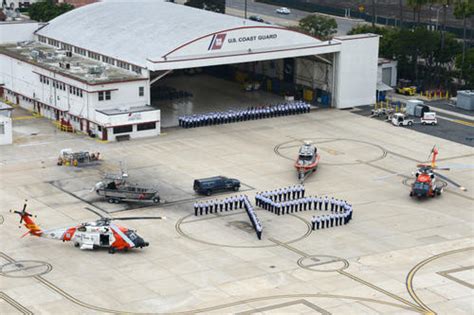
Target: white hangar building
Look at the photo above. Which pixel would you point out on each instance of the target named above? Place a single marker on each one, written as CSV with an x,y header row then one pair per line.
x,y
94,66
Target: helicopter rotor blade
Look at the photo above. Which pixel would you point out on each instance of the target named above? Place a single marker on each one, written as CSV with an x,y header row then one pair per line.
x,y
450,181
384,177
456,166
139,218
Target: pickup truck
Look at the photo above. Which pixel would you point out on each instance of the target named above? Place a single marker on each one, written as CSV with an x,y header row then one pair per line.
x,y
399,119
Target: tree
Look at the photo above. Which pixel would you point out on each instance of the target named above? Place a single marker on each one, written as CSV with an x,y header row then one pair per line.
x,y
416,5
46,10
400,6
318,26
418,52
209,5
466,68
463,10
387,37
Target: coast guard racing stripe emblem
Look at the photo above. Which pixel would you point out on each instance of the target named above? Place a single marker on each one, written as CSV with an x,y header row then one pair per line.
x,y
217,42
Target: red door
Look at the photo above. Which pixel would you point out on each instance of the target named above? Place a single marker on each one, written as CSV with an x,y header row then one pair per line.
x,y
104,134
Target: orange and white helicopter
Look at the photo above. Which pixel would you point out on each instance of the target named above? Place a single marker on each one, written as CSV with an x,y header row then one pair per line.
x,y
426,183
102,233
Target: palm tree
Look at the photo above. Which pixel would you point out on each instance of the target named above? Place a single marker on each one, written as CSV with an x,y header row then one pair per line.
x,y
417,5
464,9
374,12
400,4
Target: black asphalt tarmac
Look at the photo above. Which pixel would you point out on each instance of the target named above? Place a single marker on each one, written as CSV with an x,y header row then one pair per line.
x,y
449,127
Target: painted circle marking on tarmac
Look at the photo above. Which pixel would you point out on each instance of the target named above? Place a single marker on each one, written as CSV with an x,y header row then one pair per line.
x,y
278,149
25,269
184,234
323,263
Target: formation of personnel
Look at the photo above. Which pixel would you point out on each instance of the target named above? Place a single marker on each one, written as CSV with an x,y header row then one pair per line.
x,y
257,225
330,220
251,113
302,204
219,205
280,194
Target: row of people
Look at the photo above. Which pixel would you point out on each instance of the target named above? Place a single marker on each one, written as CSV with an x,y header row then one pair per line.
x,y
251,113
281,194
303,204
257,225
330,220
219,205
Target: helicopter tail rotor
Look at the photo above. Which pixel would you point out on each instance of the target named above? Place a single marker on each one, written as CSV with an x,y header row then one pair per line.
x,y
25,218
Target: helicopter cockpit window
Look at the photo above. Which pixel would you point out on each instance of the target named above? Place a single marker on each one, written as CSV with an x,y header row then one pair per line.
x,y
421,186
305,157
82,228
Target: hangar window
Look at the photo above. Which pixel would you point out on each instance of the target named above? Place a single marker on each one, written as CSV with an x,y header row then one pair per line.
x,y
123,129
146,126
2,128
141,91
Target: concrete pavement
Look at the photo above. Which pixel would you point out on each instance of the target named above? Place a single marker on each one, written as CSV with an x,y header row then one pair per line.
x,y
397,256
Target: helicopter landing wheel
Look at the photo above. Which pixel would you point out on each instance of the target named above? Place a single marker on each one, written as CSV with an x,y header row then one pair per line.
x,y
112,250
76,244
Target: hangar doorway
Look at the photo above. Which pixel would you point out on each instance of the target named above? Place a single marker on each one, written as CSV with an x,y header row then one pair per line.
x,y
236,86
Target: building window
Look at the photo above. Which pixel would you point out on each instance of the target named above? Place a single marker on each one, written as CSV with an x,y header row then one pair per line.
x,y
104,95
141,91
99,128
146,126
123,129
2,129
136,69
123,65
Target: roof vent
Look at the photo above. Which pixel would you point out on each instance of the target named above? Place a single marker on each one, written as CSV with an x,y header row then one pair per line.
x,y
98,70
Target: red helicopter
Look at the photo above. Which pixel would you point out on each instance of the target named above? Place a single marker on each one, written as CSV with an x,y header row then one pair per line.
x,y
102,233
426,183
307,161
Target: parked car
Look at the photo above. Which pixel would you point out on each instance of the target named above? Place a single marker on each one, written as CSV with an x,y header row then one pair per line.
x,y
283,10
207,186
399,119
256,18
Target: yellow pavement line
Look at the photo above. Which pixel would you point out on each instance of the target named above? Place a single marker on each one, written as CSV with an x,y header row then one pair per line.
x,y
463,122
24,117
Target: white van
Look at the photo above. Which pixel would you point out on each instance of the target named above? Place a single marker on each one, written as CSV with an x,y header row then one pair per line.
x,y
429,118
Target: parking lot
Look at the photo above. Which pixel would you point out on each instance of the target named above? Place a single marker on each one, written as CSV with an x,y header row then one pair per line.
x,y
398,255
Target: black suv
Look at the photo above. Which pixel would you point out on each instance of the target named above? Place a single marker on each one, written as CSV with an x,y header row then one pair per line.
x,y
256,18
209,185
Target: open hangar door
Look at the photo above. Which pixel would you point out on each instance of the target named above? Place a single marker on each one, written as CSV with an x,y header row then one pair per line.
x,y
236,86
306,78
